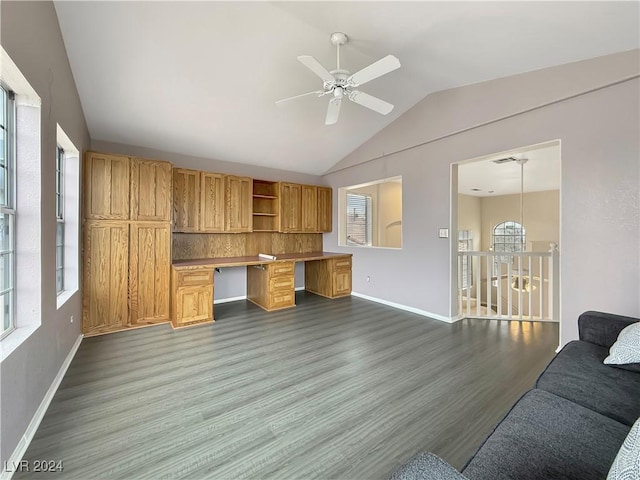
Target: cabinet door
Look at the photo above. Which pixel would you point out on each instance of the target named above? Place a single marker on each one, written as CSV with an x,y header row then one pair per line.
x,y
194,304
290,207
150,190
212,202
341,282
106,186
186,200
309,208
149,270
106,260
325,209
239,204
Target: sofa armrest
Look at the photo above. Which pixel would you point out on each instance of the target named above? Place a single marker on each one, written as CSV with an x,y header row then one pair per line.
x,y
602,328
427,466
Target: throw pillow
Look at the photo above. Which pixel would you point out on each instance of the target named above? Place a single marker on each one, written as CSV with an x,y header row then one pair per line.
x,y
626,349
626,465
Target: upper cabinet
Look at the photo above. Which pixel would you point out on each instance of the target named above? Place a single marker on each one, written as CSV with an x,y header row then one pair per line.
x,y
150,190
325,209
212,204
290,207
309,208
106,186
305,208
186,200
239,204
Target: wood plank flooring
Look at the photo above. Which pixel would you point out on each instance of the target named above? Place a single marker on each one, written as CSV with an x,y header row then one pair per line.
x,y
339,388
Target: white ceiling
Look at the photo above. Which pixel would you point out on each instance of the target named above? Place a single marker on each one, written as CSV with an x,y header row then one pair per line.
x,y
201,78
484,178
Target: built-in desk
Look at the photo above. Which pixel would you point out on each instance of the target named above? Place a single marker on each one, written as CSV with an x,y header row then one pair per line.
x,y
270,283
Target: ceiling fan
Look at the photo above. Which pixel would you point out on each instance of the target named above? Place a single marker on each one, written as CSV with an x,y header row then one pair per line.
x,y
341,83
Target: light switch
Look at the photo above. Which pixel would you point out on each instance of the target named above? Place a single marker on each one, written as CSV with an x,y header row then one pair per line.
x,y
443,233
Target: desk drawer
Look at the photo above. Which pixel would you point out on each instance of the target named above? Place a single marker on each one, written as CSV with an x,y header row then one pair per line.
x,y
342,263
195,277
281,284
281,268
281,299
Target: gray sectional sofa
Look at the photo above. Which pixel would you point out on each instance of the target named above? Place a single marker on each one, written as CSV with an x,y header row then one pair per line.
x,y
570,426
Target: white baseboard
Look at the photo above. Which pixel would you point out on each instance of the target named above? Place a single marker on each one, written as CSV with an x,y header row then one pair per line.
x,y
241,297
418,311
229,299
24,442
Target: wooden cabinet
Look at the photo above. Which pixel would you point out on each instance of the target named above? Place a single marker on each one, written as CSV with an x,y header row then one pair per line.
x,y
212,202
191,297
239,204
186,200
271,286
149,265
290,207
150,190
309,208
106,186
325,209
330,278
106,264
266,206
126,261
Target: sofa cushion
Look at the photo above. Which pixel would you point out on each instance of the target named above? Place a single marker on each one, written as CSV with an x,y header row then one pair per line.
x,y
578,374
426,466
546,436
626,466
626,349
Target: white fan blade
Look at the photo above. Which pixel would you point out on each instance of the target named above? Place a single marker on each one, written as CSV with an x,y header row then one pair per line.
x,y
317,93
375,70
371,102
315,66
333,111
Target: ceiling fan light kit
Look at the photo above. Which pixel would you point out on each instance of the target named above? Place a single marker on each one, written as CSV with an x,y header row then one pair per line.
x,y
339,83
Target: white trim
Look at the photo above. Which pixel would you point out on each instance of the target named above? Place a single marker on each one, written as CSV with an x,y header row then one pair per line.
x,y
63,296
229,299
297,289
418,311
24,442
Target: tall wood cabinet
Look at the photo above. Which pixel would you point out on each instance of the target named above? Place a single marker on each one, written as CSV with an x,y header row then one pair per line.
x,y
290,207
239,204
325,209
127,242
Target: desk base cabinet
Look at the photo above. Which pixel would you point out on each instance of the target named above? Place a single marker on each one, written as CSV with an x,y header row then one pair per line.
x,y
191,297
271,286
328,278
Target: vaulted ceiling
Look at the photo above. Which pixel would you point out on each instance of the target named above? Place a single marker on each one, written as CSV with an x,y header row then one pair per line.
x,y
202,78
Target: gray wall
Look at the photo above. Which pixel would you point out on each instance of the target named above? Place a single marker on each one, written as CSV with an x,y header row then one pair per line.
x,y
30,34
599,130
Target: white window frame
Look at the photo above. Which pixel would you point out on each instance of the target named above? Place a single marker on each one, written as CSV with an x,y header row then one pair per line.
x,y
359,220
69,211
519,238
59,220
8,211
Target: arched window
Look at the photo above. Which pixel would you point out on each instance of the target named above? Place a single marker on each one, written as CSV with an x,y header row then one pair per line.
x,y
508,237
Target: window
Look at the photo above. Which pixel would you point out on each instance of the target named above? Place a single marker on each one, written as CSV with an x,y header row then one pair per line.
x,y
8,212
465,244
59,220
67,217
507,237
358,219
371,214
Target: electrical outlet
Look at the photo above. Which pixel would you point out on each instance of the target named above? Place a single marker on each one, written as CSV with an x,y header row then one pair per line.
x,y
368,278
71,319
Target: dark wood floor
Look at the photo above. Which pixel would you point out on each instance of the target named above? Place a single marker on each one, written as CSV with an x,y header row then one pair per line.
x,y
340,388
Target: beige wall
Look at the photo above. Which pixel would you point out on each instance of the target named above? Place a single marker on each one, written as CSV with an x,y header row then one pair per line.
x,y
470,217
386,201
541,217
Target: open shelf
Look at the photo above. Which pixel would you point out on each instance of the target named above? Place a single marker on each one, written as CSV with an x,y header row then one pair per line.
x,y
266,206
